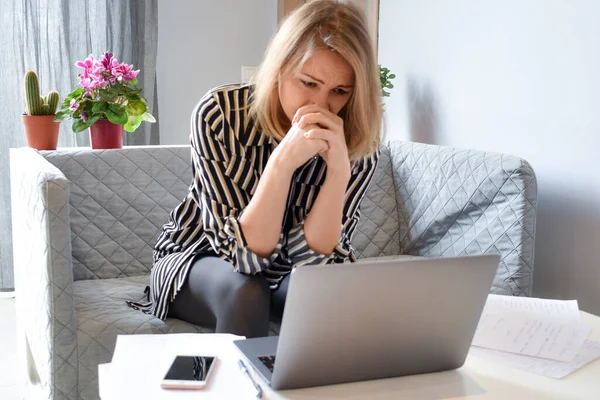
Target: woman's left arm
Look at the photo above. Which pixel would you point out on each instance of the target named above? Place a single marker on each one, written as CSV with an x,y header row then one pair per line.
x,y
335,213
323,225
332,219
325,234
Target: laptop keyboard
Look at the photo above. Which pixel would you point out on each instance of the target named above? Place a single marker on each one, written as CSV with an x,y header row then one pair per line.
x,y
269,361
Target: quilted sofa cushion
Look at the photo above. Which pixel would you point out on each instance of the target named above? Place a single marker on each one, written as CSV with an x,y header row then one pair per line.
x,y
454,202
118,202
102,315
377,230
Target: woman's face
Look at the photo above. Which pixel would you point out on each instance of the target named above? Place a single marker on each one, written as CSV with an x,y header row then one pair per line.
x,y
326,79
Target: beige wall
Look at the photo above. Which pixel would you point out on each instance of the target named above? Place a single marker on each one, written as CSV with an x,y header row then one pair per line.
x,y
201,45
518,77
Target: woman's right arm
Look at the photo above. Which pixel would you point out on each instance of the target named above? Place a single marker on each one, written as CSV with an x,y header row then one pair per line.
x,y
262,219
223,183
242,228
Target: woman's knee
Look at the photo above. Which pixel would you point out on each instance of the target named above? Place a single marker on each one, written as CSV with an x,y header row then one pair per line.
x,y
248,292
229,287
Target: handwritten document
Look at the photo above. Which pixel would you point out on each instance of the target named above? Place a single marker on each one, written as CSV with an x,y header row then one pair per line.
x,y
554,310
550,368
541,328
531,336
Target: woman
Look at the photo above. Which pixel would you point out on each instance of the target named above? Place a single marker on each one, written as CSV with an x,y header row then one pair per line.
x,y
280,169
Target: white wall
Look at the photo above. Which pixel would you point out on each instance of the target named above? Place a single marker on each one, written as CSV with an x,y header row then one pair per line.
x,y
201,45
519,77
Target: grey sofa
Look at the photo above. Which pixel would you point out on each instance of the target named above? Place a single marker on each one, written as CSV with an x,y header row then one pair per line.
x,y
85,221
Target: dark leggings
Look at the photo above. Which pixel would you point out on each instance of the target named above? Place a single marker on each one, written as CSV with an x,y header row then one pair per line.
x,y
215,296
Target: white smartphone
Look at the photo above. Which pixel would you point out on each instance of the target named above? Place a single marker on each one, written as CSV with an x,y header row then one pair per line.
x,y
189,372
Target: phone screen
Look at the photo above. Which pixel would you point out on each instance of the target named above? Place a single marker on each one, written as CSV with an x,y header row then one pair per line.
x,y
190,368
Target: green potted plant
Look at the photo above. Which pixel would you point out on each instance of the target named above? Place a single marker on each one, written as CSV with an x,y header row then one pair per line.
x,y
107,101
41,131
385,78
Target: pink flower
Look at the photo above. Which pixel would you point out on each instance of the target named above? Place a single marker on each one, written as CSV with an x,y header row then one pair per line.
x,y
101,82
83,116
87,63
106,60
73,105
85,83
91,84
127,72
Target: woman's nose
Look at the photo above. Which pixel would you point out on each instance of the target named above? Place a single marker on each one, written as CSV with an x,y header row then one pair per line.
x,y
321,101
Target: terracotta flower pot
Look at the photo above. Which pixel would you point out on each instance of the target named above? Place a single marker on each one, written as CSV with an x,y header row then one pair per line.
x,y
106,135
41,132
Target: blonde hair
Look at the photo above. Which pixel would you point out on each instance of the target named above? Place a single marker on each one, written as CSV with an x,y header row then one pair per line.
x,y
332,25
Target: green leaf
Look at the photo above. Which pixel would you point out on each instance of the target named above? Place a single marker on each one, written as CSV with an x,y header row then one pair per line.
x,y
79,126
131,96
136,107
61,115
75,93
148,117
389,86
100,107
392,76
133,123
108,95
93,119
118,116
133,82
115,107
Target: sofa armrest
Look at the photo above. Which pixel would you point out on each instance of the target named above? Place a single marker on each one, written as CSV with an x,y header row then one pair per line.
x,y
454,202
43,270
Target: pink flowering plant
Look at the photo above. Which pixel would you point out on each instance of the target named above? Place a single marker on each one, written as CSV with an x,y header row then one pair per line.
x,y
107,92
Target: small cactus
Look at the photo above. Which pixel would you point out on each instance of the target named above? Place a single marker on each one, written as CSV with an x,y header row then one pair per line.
x,y
52,100
36,104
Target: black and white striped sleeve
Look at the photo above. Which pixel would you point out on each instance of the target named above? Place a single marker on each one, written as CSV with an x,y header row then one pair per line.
x,y
344,251
220,191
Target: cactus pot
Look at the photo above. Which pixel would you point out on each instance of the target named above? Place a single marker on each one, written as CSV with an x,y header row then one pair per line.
x,y
41,132
106,135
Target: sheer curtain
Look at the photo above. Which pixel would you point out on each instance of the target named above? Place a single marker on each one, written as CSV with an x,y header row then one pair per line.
x,y
49,36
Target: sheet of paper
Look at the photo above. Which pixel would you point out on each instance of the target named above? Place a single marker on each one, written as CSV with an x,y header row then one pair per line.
x,y
531,336
550,368
548,309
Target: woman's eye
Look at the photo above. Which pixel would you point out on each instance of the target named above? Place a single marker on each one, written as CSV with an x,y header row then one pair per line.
x,y
308,84
340,91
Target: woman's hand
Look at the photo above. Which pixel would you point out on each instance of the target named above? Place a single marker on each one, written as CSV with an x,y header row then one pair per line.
x,y
322,125
296,149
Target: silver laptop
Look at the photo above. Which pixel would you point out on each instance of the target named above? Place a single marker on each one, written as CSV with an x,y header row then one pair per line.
x,y
371,320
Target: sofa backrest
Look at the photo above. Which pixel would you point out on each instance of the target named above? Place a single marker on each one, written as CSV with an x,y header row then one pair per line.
x,y
377,230
457,202
121,198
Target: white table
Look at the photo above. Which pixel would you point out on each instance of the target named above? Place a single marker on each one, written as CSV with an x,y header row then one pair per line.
x,y
477,379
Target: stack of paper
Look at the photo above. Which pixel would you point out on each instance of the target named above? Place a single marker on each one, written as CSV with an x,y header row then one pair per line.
x,y
539,335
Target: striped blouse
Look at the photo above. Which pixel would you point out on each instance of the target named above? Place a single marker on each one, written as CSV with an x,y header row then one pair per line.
x,y
229,155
